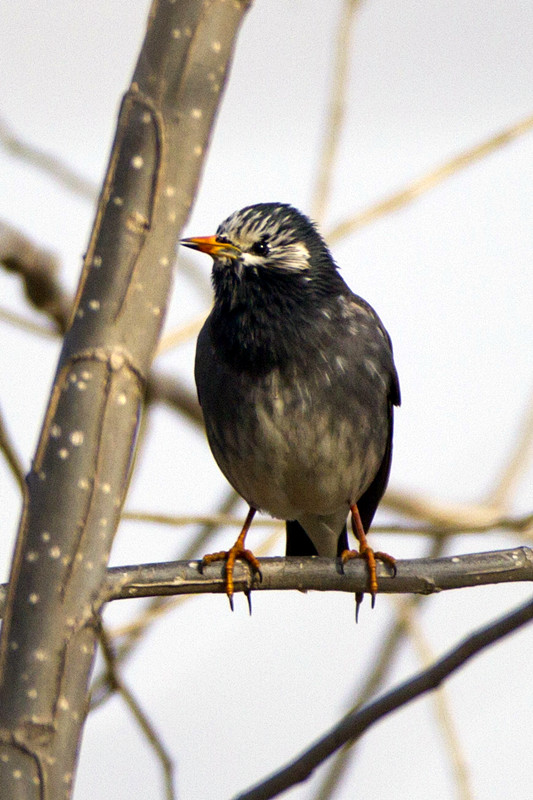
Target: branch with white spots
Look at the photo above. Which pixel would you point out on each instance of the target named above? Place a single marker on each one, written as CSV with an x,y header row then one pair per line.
x,y
79,476
413,576
423,575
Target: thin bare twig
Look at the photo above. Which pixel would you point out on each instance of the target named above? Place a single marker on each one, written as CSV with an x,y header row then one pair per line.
x,y
444,715
159,605
354,725
438,513
116,682
518,458
139,625
28,325
428,181
220,519
335,116
168,390
39,272
12,457
184,333
38,269
504,523
382,665
51,165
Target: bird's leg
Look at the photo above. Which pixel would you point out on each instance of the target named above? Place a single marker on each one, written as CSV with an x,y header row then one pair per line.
x,y
366,552
230,556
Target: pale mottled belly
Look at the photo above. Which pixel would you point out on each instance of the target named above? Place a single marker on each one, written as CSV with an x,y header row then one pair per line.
x,y
290,456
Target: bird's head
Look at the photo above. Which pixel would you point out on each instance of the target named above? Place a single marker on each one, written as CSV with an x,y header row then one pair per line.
x,y
273,277
267,238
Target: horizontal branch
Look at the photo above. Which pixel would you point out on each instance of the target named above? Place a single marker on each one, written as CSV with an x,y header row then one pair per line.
x,y
422,576
414,576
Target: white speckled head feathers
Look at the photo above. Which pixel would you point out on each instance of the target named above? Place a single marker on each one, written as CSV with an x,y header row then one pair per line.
x,y
273,235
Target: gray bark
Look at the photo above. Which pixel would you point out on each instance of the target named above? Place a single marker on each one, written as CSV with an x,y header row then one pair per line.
x,y
80,473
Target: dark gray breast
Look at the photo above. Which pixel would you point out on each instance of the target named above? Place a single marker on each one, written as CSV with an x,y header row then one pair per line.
x,y
308,434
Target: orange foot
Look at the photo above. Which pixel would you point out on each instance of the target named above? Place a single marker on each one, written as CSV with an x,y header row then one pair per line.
x,y
370,556
230,556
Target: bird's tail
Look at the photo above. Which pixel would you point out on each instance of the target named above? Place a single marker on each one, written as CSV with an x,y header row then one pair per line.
x,y
299,543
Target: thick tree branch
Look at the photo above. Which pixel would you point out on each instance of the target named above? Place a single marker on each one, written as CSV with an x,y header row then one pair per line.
x,y
418,576
80,473
423,576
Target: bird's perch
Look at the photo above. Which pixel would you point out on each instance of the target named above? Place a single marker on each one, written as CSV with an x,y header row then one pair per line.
x,y
423,575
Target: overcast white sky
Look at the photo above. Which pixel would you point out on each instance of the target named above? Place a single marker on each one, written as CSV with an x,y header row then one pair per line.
x,y
450,276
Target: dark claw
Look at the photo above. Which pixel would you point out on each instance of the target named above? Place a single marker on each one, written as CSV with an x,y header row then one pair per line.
x,y
394,570
201,566
230,598
358,600
373,599
258,572
249,598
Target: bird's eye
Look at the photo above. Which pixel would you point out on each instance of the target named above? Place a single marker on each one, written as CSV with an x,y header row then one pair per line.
x,y
259,248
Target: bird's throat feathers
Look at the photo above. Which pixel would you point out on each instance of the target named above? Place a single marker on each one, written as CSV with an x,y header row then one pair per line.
x,y
261,317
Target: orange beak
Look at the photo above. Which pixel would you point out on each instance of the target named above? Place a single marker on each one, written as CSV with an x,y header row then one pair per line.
x,y
212,246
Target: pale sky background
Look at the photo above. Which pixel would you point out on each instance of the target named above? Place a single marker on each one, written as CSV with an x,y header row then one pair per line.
x,y
232,697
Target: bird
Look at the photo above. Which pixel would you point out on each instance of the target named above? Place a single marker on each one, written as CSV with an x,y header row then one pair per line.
x,y
296,379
